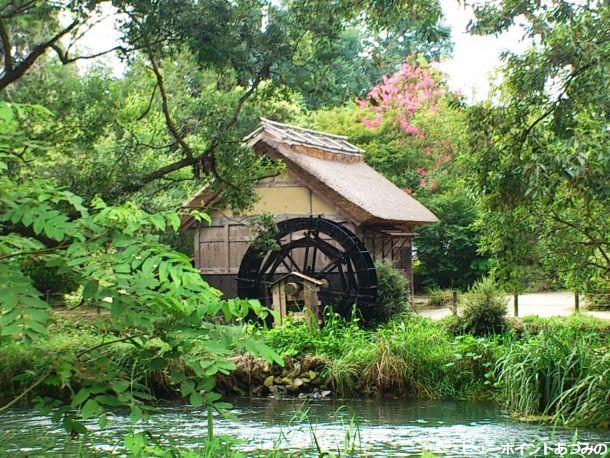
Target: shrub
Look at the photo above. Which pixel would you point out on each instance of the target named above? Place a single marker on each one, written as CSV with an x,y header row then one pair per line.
x,y
600,301
485,309
393,293
452,324
51,279
440,298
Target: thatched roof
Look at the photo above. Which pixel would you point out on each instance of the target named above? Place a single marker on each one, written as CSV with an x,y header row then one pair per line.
x,y
334,169
298,136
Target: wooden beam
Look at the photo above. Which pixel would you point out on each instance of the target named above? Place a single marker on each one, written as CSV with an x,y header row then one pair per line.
x,y
227,253
197,248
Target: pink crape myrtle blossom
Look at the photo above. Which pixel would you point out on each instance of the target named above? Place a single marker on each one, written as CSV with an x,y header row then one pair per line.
x,y
373,123
399,96
409,128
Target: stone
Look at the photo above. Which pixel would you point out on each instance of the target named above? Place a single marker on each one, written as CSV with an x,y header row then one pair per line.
x,y
296,370
269,381
258,391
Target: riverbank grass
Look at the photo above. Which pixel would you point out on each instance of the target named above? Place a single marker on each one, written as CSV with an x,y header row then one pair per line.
x,y
558,368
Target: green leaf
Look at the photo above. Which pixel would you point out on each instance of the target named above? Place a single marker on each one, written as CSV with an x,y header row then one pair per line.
x,y
91,409
135,443
196,399
157,364
80,397
119,385
158,222
117,309
187,387
108,400
12,329
73,426
90,289
174,221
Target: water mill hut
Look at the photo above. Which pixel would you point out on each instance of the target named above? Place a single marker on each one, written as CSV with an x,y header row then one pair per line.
x,y
335,215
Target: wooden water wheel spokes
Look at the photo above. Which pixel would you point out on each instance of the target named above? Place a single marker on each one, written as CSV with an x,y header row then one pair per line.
x,y
319,248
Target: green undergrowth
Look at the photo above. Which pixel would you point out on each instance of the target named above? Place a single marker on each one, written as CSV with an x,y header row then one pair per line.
x,y
408,356
557,368
548,367
21,366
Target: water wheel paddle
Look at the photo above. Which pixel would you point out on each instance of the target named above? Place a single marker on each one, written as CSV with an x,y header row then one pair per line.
x,y
319,248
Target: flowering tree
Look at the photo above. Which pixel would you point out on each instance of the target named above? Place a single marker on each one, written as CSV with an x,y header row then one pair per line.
x,y
411,128
400,95
414,107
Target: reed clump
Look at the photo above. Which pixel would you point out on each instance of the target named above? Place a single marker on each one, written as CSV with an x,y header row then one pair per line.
x,y
562,372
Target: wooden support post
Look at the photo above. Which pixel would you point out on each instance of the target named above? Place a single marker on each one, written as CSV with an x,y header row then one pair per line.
x,y
279,302
516,304
310,298
455,301
576,302
227,248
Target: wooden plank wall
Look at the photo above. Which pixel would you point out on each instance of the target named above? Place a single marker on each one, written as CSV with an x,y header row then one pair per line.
x,y
220,247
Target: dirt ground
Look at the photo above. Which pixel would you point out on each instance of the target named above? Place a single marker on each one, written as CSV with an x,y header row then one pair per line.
x,y
540,304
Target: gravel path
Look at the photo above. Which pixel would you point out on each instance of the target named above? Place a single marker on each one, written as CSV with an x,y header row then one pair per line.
x,y
540,304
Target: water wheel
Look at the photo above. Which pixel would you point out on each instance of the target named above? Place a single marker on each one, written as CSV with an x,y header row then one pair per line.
x,y
319,248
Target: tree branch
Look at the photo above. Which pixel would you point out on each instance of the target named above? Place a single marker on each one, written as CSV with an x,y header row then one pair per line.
x,y
61,246
6,48
150,102
203,162
21,9
580,70
594,242
165,107
65,60
26,391
22,67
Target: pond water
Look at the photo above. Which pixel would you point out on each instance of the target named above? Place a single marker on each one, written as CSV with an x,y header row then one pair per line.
x,y
372,427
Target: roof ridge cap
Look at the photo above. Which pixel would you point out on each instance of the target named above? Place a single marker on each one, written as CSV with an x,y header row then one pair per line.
x,y
311,131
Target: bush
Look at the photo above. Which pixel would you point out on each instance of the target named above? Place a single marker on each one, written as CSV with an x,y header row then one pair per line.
x,y
53,280
485,309
440,298
393,293
599,301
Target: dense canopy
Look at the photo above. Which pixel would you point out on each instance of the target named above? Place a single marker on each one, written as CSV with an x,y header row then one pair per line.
x,y
93,166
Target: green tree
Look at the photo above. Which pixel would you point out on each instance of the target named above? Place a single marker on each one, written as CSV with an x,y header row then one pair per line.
x,y
242,48
448,251
411,129
160,305
539,157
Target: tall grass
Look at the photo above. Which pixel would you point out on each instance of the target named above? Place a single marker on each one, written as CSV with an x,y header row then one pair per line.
x,y
563,372
410,356
587,402
558,368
